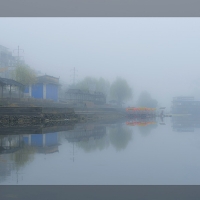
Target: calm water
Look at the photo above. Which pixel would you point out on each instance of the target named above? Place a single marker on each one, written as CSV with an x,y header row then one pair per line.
x,y
99,154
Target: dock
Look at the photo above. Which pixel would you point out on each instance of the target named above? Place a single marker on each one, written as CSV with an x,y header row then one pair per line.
x,y
14,116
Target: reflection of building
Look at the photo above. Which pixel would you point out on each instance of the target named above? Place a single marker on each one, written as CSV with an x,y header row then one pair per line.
x,y
46,87
14,154
140,123
79,96
85,133
45,143
185,123
10,144
185,105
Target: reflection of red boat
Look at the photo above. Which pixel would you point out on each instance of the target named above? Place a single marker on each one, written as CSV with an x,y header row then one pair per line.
x,y
139,123
140,109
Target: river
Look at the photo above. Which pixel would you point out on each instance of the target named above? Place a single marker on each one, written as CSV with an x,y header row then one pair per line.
x,y
153,152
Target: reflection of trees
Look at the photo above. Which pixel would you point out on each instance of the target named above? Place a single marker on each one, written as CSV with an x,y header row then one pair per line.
x,y
145,130
23,156
5,167
94,144
13,155
120,136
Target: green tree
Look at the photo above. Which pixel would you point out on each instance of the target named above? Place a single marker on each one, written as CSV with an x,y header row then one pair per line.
x,y
145,100
120,90
86,83
25,75
103,86
91,83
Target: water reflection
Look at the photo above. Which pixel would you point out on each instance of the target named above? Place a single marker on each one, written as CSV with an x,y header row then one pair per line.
x,y
185,123
119,136
145,125
43,143
20,149
27,156
89,137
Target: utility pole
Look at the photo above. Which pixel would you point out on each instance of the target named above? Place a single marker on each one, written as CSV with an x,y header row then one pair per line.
x,y
18,51
73,152
74,75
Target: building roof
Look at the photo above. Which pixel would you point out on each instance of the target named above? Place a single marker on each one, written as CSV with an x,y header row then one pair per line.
x,y
6,81
74,91
183,98
48,79
79,91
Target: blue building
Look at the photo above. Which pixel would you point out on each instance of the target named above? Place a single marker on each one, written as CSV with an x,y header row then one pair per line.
x,y
46,87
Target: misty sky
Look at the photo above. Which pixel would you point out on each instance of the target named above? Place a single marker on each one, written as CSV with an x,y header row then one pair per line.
x,y
160,55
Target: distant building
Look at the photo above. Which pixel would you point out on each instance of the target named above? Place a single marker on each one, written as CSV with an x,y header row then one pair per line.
x,y
185,105
46,87
7,62
80,96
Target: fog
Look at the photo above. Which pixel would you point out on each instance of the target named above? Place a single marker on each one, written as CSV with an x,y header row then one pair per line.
x,y
160,55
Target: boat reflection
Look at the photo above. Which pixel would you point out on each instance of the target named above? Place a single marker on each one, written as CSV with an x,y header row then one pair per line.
x,y
139,123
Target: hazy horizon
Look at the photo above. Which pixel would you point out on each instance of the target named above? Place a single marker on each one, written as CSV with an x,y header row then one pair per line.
x,y
159,55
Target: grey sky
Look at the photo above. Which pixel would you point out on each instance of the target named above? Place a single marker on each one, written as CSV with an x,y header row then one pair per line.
x,y
160,55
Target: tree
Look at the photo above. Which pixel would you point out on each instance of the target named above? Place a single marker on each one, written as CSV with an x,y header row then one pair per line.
x,y
145,100
25,75
91,83
120,90
87,83
103,86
